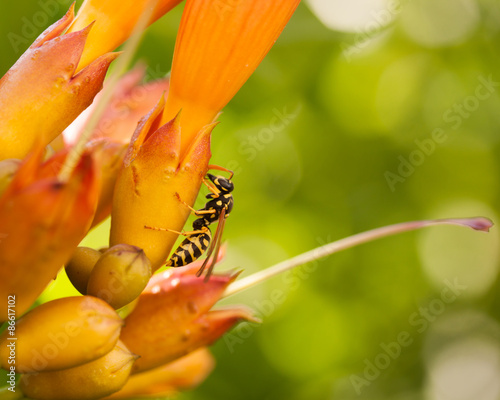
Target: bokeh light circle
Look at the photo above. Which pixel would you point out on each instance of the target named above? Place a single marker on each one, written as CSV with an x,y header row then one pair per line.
x,y
466,370
462,255
440,23
355,15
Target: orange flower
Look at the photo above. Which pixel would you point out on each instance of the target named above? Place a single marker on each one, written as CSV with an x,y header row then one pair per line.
x,y
40,95
42,221
153,172
217,50
114,22
172,317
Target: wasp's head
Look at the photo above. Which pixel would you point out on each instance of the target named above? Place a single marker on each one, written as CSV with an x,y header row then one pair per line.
x,y
225,185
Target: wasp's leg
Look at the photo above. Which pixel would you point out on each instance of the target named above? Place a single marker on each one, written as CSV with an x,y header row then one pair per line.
x,y
162,229
211,187
196,212
183,202
190,233
215,245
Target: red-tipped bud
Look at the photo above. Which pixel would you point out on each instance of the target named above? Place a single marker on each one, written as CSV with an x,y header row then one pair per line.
x,y
42,220
170,319
42,94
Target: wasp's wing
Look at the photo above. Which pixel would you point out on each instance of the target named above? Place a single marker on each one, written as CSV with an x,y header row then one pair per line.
x,y
218,243
215,245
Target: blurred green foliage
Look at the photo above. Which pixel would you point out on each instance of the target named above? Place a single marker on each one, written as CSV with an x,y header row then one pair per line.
x,y
333,135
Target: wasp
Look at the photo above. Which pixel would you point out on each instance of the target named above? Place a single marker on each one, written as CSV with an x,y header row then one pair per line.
x,y
217,209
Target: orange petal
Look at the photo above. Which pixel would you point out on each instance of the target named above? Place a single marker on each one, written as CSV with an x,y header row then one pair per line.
x,y
40,95
114,22
184,373
145,193
129,103
159,328
218,47
42,221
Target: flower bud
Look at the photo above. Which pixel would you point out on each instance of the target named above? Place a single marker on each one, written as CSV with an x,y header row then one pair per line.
x,y
172,318
80,266
42,220
184,373
92,380
120,275
42,93
62,333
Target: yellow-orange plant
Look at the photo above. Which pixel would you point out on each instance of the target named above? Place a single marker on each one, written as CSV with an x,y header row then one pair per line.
x,y
133,166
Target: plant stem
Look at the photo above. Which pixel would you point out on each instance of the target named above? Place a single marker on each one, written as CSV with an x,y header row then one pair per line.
x,y
479,223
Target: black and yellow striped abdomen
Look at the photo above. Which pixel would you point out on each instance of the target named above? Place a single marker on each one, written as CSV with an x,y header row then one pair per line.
x,y
190,249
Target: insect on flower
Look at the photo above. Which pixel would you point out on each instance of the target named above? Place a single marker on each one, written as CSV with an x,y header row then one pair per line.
x,y
199,239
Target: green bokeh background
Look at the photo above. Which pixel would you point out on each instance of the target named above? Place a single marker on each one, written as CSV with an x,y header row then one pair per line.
x,y
354,116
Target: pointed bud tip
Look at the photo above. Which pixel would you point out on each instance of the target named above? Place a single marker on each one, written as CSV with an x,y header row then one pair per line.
x,y
479,223
234,274
55,29
227,277
235,314
207,129
83,33
247,314
174,123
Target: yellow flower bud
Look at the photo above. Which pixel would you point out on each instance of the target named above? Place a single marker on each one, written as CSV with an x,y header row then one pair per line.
x,y
80,266
120,275
92,380
167,380
62,333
